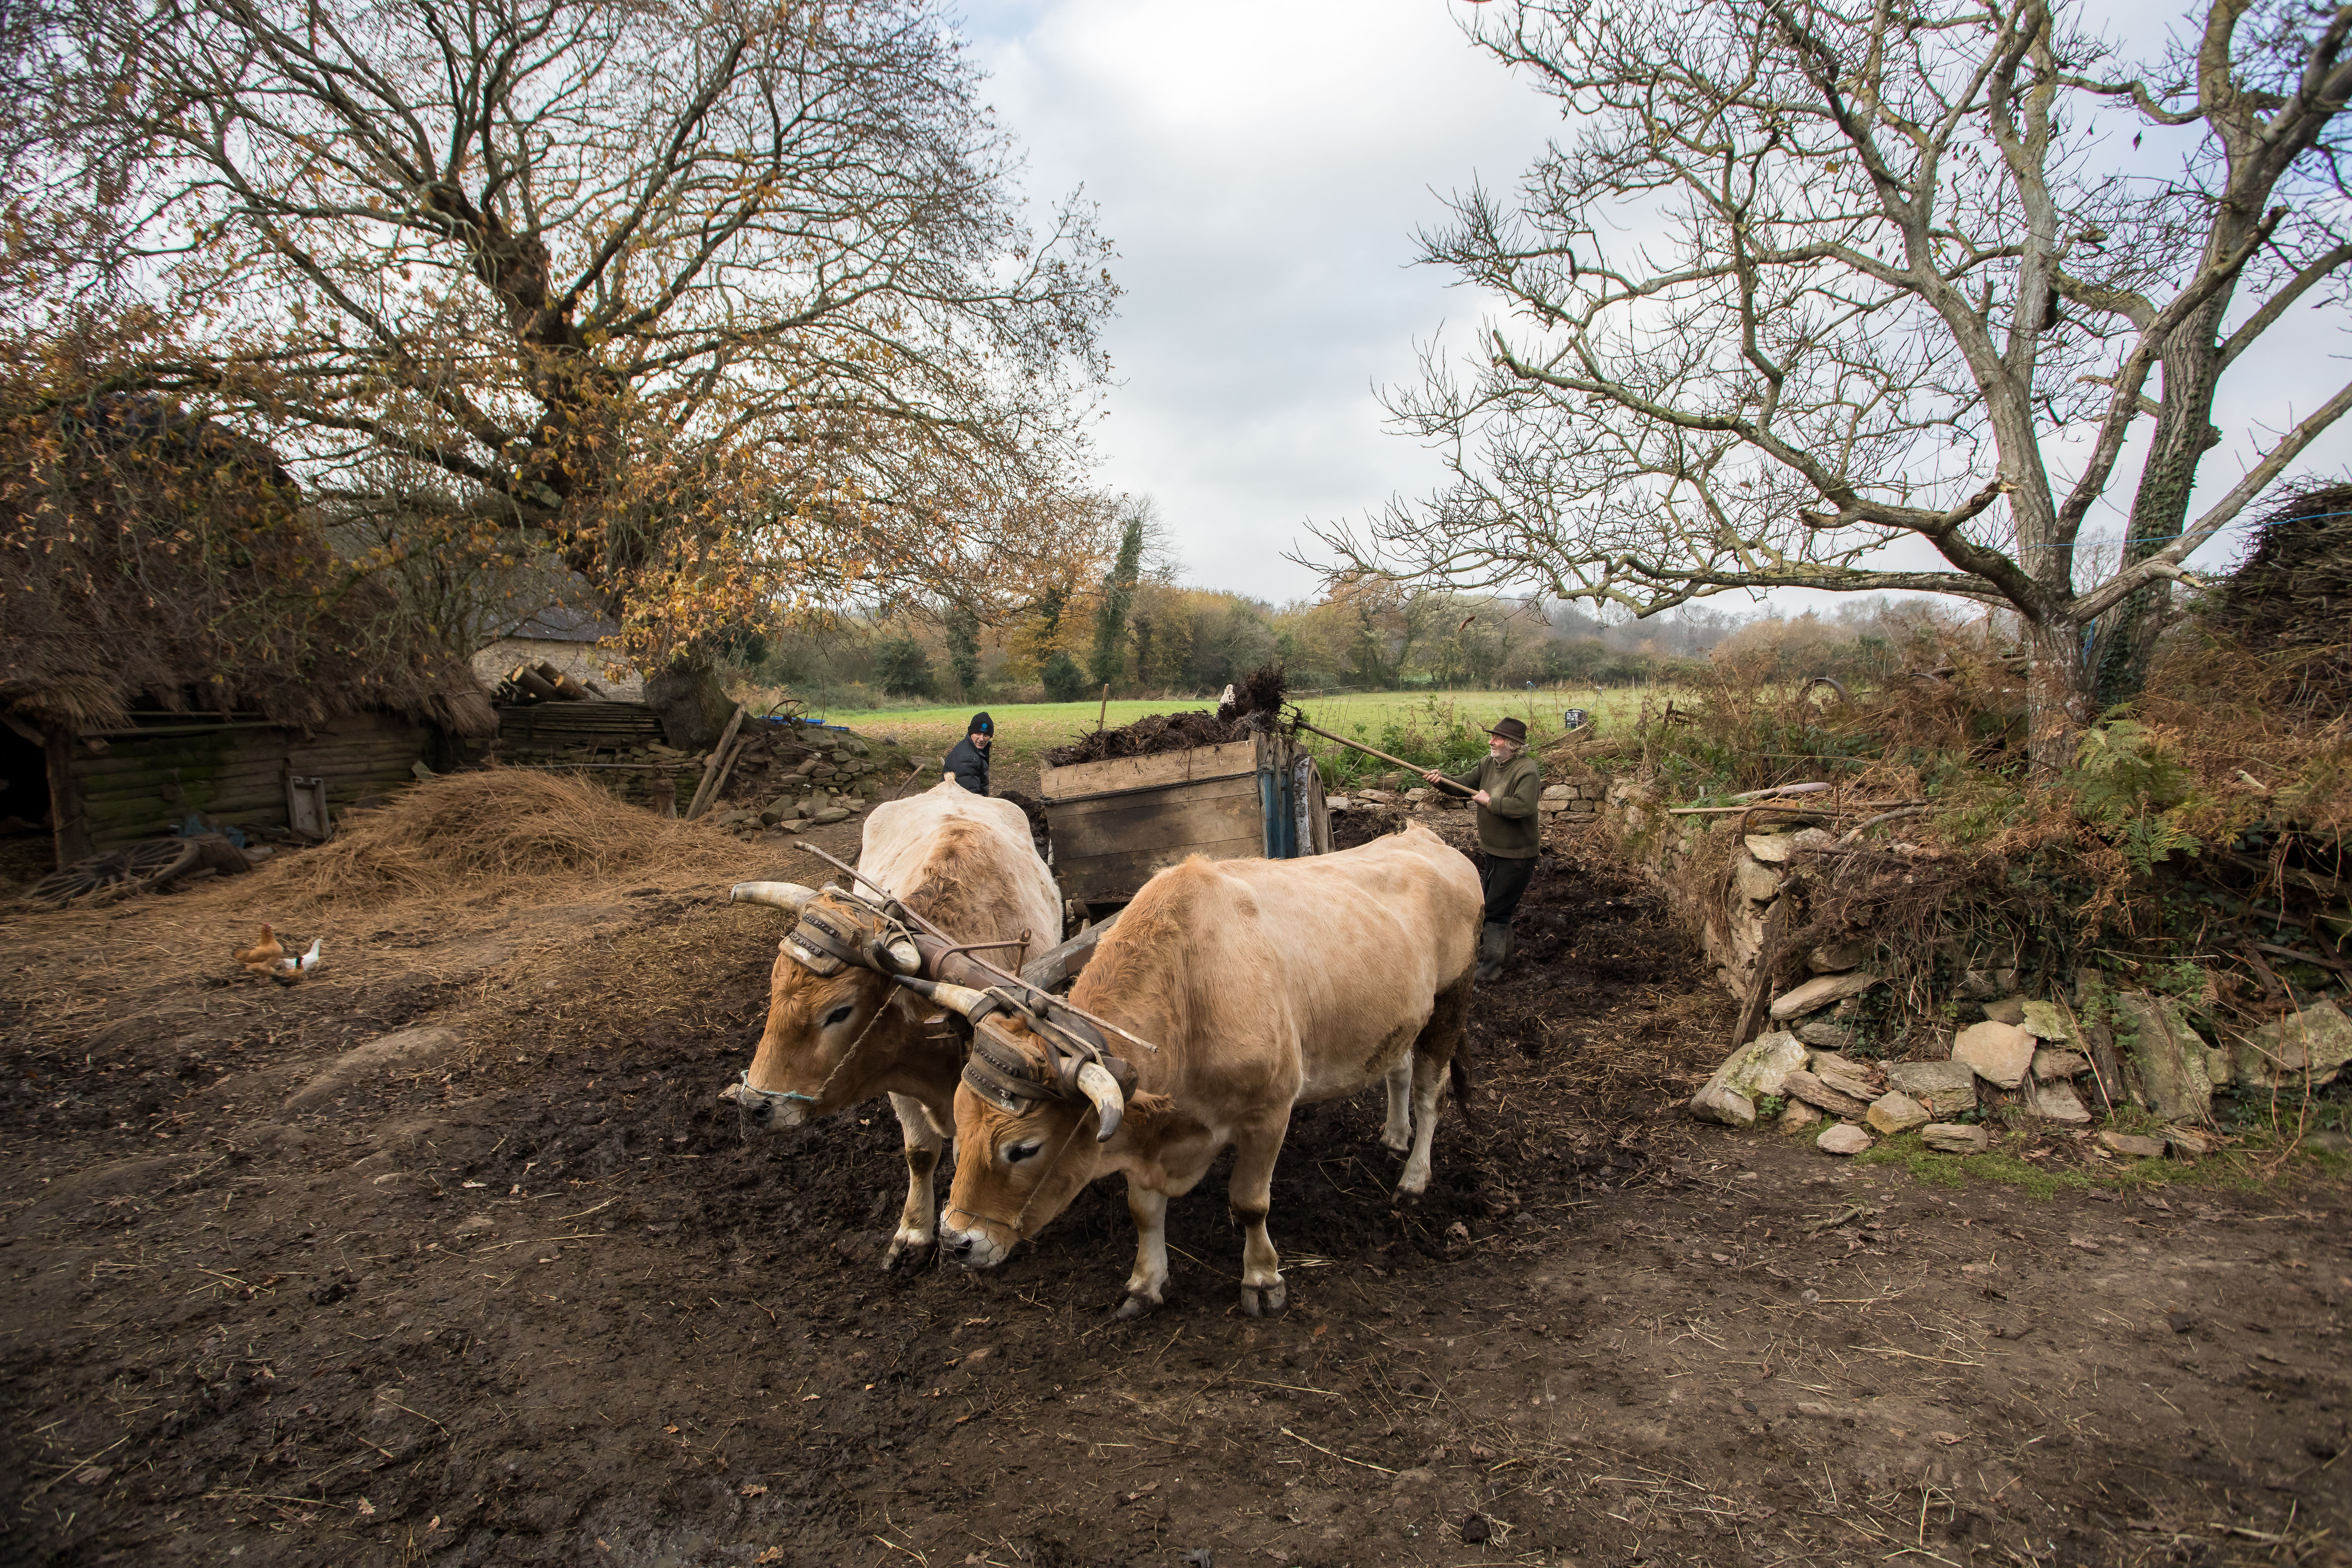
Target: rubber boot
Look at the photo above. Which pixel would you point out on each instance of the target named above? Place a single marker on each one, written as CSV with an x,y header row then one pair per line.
x,y
1494,948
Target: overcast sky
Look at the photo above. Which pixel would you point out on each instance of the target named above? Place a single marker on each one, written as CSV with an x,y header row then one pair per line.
x,y
1261,170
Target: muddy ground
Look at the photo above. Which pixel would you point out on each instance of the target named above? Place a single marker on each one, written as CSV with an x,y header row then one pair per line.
x,y
540,1302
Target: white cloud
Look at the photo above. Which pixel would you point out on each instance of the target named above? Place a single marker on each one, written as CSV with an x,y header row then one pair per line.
x,y
1261,170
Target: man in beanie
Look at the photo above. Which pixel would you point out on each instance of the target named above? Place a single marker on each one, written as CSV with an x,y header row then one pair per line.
x,y
1505,788
968,763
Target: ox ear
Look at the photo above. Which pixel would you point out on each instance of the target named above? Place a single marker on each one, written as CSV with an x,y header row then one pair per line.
x,y
1110,1106
789,895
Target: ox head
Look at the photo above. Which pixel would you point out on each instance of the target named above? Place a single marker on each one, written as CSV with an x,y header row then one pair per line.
x,y
1031,1120
823,995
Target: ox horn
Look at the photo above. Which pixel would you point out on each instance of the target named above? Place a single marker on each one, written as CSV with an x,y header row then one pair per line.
x,y
775,895
963,999
1110,1106
905,955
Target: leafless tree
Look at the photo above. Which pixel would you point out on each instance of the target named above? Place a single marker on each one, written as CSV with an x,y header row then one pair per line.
x,y
1805,281
728,303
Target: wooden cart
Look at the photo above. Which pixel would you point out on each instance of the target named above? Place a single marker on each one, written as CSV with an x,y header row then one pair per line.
x,y
1116,823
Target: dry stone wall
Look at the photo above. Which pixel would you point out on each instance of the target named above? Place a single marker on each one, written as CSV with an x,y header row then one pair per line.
x,y
2073,1059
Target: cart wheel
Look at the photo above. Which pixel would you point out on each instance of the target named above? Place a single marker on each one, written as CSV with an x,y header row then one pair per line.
x,y
130,869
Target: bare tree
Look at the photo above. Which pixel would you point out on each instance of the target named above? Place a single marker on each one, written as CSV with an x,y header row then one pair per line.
x,y
731,305
1807,281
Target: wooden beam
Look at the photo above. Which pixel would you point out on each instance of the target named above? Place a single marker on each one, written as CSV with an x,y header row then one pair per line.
x,y
1056,964
711,767
68,821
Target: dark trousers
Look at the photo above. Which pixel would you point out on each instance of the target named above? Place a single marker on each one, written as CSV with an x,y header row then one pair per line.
x,y
1504,883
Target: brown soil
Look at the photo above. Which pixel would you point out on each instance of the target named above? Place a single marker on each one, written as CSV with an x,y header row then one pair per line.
x,y
544,1303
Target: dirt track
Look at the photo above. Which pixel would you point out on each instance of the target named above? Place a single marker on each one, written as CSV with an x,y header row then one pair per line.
x,y
545,1305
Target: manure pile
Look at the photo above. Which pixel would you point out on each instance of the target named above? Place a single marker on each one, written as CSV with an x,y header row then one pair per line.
x,y
1257,696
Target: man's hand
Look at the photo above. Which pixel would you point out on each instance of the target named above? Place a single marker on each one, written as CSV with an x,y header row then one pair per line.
x,y
1433,776
1479,799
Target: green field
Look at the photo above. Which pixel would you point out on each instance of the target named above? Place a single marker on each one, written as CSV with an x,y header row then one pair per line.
x,y
1025,729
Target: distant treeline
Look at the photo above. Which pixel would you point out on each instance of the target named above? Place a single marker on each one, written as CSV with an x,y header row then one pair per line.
x,y
1176,641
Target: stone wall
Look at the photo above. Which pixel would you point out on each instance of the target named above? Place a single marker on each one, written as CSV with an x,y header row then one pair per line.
x,y
2069,1059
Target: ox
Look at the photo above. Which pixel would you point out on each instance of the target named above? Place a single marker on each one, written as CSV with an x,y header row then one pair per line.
x,y
1263,985
964,862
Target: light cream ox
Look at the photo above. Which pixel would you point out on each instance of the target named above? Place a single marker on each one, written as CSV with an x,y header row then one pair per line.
x,y
1263,985
835,1039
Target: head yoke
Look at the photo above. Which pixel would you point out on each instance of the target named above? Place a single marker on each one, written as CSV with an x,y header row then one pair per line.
x,y
1028,1047
839,930
1018,1060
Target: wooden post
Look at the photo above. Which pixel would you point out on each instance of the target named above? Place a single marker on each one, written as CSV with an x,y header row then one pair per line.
x,y
68,820
1759,985
711,767
1103,713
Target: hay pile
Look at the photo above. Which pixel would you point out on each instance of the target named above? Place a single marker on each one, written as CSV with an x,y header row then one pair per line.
x,y
471,832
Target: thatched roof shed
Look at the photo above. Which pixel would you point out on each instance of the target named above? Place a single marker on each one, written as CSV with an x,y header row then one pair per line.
x,y
151,561
176,636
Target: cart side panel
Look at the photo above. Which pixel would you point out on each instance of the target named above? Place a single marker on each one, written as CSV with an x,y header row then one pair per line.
x,y
1080,779
1106,847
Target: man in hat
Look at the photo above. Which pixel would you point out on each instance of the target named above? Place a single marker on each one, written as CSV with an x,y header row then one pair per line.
x,y
968,763
1504,787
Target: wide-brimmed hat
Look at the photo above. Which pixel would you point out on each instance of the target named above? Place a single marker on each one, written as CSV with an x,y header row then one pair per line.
x,y
1511,729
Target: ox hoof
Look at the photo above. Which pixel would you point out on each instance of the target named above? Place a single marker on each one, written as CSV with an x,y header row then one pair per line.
x,y
1265,1301
908,1255
1135,1307
1402,1145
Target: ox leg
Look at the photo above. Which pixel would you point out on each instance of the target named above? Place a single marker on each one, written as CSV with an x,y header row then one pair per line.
x,y
1251,1193
1433,1056
919,1233
1397,1134
1147,1286
1428,1082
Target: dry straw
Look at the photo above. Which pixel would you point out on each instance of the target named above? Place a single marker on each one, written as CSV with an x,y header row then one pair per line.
x,y
504,830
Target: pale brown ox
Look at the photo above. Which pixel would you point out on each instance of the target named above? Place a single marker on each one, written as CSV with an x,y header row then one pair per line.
x,y
966,863
1265,983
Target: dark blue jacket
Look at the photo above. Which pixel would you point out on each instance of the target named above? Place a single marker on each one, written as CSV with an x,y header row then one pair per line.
x,y
969,764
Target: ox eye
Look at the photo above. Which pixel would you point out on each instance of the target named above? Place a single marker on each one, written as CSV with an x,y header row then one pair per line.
x,y
1016,1153
840,1015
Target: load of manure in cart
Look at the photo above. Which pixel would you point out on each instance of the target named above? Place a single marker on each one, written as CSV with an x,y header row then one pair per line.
x,y
1257,698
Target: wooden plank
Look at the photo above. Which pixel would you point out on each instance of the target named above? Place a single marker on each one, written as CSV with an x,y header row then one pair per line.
x,y
1154,821
1139,773
69,837
715,765
1759,983
1056,964
1121,876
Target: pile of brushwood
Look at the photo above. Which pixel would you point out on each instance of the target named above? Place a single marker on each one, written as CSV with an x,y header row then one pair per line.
x,y
2290,598
1256,702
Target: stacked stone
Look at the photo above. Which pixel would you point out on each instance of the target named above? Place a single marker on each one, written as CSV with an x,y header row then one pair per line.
x,y
1570,805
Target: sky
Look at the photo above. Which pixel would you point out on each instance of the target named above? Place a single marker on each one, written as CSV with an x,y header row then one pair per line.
x,y
1262,171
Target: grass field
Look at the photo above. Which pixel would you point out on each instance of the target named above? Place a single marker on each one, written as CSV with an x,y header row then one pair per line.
x,y
1025,729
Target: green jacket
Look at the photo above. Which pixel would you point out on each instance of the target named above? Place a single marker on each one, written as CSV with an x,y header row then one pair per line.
x,y
1509,828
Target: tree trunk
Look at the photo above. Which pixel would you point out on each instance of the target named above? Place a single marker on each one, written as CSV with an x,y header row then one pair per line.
x,y
2057,696
689,700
